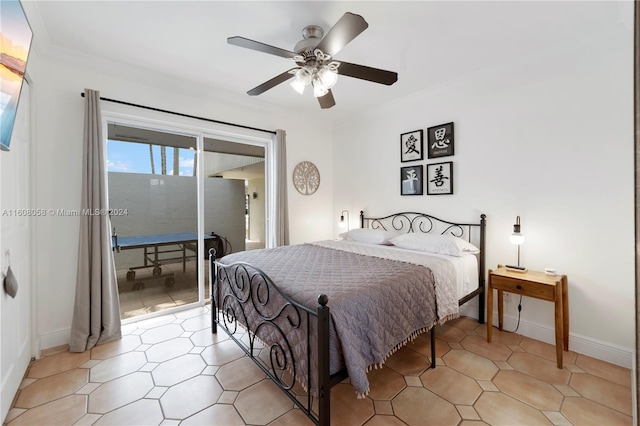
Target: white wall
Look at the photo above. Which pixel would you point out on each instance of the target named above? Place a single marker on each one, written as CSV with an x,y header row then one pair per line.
x,y
58,140
547,137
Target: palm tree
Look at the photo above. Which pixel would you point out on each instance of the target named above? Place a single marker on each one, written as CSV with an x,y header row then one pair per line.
x,y
153,166
176,161
163,158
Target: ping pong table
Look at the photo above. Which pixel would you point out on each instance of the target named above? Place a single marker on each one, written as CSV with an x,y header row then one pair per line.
x,y
155,247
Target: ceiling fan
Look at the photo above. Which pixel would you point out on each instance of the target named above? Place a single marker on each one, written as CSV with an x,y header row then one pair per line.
x,y
313,58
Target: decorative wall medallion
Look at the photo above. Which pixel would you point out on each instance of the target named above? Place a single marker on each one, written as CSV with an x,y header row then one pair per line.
x,y
306,178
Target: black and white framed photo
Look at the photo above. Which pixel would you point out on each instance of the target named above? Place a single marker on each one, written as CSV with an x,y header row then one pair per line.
x,y
440,178
440,140
411,180
411,146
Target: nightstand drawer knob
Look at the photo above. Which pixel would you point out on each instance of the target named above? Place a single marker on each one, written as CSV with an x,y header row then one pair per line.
x,y
519,287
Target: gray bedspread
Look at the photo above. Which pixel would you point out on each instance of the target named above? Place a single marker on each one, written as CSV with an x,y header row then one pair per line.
x,y
377,305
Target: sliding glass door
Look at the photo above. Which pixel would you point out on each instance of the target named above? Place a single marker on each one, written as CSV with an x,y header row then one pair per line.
x,y
174,195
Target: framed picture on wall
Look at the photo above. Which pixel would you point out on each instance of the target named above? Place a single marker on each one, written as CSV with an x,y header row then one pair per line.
x,y
411,180
440,140
411,146
440,178
16,43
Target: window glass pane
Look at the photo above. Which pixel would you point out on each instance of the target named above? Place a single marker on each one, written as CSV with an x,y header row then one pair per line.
x,y
153,190
234,196
131,157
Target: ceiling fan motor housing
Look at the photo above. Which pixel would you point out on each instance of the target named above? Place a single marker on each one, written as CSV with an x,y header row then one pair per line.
x,y
312,36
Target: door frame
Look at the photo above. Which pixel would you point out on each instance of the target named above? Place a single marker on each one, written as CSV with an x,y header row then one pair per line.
x,y
136,117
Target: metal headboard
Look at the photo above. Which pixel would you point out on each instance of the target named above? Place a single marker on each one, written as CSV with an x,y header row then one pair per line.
x,y
424,223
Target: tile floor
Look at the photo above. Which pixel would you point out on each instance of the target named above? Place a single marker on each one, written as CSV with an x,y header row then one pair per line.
x,y
171,370
155,296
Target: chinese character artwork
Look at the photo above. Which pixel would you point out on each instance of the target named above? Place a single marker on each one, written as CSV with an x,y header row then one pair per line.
x,y
440,140
411,180
411,146
440,178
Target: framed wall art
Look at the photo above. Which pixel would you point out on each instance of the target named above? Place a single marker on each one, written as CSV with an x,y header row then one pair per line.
x,y
440,140
16,43
411,180
411,146
440,178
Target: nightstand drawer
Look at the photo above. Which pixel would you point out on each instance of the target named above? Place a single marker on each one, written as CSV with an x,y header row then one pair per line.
x,y
526,288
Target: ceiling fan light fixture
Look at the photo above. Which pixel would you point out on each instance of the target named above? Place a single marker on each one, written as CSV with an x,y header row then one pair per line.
x,y
301,79
328,76
298,86
319,89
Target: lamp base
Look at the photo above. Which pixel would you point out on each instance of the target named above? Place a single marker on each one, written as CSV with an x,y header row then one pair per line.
x,y
512,268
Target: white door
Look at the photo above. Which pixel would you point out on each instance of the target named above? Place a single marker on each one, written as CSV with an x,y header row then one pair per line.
x,y
16,251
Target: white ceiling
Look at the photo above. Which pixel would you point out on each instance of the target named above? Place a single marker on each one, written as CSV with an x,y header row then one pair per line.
x,y
427,43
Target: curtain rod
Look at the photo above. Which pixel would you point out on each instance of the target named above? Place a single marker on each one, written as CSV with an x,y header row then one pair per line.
x,y
183,115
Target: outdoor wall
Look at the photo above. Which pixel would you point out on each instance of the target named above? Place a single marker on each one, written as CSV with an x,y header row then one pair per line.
x,y
165,204
548,137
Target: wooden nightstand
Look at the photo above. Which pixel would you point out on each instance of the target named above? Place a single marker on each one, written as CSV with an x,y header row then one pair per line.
x,y
533,284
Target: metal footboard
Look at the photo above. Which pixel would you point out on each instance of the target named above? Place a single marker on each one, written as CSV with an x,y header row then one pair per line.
x,y
240,297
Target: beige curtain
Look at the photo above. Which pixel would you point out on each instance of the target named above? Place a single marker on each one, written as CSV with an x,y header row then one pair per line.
x,y
96,314
282,224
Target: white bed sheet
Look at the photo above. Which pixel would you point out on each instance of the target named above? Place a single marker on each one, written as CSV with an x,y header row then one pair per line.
x,y
466,266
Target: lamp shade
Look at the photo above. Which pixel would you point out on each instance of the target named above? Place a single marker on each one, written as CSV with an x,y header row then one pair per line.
x,y
328,77
517,237
344,224
298,86
319,89
301,79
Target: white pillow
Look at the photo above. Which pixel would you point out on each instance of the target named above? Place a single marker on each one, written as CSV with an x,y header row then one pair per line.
x,y
368,235
433,243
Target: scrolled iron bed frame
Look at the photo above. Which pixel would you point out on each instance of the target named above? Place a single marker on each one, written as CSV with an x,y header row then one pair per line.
x,y
251,289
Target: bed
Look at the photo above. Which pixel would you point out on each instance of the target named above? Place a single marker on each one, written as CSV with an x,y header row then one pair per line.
x,y
311,315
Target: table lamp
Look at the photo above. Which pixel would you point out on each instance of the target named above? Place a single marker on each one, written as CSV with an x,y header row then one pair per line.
x,y
517,238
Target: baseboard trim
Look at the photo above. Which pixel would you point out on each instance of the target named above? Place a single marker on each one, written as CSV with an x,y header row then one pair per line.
x,y
577,343
53,339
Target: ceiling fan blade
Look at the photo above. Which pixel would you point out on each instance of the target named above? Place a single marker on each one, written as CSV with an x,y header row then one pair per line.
x,y
346,29
260,47
367,73
327,100
271,83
